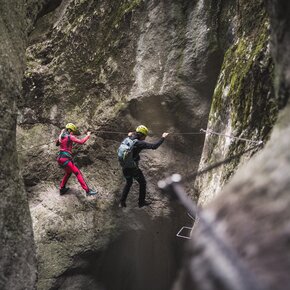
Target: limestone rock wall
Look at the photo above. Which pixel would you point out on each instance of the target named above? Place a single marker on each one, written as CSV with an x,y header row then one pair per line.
x,y
109,66
243,103
17,249
251,218
115,65
251,215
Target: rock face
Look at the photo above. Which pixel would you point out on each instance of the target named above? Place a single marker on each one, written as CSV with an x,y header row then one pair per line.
x,y
17,251
109,66
251,215
280,37
243,103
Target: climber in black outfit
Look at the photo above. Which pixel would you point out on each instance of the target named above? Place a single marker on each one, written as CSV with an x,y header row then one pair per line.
x,y
134,172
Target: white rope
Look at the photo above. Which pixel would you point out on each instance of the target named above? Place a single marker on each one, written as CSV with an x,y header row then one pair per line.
x,y
150,133
208,131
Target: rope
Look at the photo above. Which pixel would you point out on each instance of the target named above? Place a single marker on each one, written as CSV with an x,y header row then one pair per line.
x,y
186,133
208,131
108,132
153,133
219,163
237,275
202,131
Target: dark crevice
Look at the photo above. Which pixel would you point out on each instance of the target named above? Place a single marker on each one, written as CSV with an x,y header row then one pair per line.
x,y
49,7
136,260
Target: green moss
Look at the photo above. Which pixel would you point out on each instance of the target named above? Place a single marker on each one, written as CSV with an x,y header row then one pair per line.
x,y
109,26
244,95
239,86
250,15
125,8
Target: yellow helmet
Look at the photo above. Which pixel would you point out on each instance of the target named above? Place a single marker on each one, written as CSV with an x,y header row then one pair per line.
x,y
72,127
142,129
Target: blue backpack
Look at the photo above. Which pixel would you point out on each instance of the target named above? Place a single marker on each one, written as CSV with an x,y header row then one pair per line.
x,y
125,153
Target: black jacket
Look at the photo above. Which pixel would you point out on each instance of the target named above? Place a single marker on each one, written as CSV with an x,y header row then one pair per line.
x,y
141,144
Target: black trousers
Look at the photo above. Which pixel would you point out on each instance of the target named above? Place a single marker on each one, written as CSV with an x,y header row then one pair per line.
x,y
137,174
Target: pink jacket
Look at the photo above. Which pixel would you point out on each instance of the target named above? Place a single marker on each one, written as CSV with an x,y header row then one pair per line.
x,y
66,142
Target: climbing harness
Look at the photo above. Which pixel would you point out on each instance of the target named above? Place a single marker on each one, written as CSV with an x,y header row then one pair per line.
x,y
64,154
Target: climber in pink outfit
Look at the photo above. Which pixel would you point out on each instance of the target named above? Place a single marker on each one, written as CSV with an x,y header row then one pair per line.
x,y
64,159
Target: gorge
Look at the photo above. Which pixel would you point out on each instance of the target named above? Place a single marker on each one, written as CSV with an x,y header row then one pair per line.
x,y
177,67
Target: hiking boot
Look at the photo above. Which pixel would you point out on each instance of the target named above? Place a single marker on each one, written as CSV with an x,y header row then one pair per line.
x,y
91,192
122,204
63,190
144,203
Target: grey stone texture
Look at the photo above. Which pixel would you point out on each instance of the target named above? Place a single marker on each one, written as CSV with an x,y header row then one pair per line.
x,y
17,251
110,66
251,214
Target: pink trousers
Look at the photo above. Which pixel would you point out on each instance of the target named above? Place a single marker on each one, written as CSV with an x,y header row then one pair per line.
x,y
69,169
